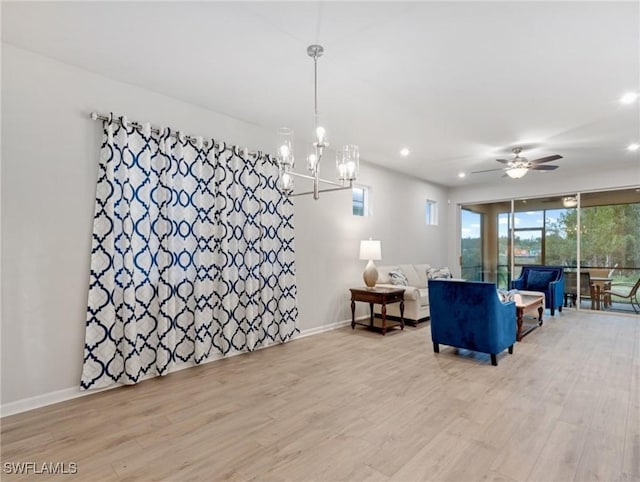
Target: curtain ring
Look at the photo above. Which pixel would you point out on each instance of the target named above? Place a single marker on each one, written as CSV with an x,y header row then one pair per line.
x,y
110,120
124,121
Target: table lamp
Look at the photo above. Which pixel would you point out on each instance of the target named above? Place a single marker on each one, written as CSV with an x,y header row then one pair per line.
x,y
370,250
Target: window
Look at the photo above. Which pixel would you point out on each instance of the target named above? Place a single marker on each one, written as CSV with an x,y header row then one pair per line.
x,y
431,213
360,200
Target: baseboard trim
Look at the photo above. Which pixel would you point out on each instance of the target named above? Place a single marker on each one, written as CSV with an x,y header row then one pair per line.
x,y
43,400
51,398
330,327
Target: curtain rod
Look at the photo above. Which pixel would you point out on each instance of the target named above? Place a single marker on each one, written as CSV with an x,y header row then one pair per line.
x,y
106,118
259,155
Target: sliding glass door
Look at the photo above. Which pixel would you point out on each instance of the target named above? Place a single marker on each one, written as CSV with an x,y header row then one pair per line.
x,y
594,236
471,259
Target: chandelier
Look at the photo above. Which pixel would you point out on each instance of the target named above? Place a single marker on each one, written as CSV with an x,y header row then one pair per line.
x,y
347,158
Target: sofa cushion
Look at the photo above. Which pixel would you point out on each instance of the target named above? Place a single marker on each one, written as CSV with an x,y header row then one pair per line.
x,y
421,270
383,274
538,280
398,278
410,272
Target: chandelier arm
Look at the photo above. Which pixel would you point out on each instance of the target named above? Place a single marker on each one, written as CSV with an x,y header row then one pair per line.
x,y
312,178
306,193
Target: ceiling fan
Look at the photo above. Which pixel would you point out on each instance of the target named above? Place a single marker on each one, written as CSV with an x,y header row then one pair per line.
x,y
519,166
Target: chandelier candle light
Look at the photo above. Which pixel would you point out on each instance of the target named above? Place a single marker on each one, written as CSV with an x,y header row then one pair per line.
x,y
347,158
370,250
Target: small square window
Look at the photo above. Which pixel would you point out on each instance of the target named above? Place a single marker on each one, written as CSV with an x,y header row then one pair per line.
x,y
360,197
431,213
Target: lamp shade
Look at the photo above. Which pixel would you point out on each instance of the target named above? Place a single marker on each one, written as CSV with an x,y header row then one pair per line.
x,y
370,249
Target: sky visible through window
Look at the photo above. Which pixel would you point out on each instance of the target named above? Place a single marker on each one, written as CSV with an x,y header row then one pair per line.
x,y
525,219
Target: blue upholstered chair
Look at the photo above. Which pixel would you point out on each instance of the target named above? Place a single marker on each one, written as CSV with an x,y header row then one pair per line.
x,y
546,279
469,315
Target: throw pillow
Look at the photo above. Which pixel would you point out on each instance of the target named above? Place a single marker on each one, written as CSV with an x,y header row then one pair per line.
x,y
442,273
505,296
539,280
398,278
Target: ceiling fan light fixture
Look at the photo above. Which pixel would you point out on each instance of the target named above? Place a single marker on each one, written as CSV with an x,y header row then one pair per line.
x,y
629,98
517,172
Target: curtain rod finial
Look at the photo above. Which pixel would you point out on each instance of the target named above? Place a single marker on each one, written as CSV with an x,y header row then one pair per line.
x,y
94,116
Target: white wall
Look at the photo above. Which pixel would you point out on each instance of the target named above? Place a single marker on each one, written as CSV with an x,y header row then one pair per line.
x,y
328,239
50,157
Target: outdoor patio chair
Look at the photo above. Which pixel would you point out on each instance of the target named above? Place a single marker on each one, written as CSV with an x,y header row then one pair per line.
x,y
619,290
587,290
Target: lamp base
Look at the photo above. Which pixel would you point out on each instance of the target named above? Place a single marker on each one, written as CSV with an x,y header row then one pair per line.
x,y
370,275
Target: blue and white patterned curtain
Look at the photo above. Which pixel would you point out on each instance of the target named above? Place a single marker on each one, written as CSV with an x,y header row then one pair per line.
x,y
193,255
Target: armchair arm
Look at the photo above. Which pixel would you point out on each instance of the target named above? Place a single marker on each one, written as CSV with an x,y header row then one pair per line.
x,y
504,329
556,291
517,284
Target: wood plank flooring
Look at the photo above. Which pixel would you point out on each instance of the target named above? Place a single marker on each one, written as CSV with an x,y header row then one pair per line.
x,y
353,405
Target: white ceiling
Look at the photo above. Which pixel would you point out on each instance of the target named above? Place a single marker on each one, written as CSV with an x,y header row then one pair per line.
x,y
459,83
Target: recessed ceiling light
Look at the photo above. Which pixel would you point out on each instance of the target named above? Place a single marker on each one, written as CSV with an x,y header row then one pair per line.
x,y
461,175
629,98
633,147
404,152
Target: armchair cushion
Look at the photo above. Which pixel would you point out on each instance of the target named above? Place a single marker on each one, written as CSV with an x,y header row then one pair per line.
x,y
539,280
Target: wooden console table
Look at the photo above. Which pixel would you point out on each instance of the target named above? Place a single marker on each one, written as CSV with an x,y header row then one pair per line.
x,y
382,296
526,304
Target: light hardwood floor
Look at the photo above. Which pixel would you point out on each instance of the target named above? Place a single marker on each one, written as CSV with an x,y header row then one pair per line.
x,y
353,405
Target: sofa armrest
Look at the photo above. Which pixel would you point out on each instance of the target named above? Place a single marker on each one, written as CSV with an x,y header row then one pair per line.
x,y
411,293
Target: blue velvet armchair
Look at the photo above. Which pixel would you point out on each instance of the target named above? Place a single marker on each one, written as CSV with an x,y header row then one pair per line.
x,y
546,279
469,315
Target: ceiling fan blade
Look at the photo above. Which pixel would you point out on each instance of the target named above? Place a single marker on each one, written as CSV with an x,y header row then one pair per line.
x,y
503,161
488,170
546,159
544,168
